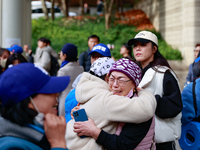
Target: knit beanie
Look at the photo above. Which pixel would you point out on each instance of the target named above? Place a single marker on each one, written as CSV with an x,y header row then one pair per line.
x,y
70,50
102,65
129,68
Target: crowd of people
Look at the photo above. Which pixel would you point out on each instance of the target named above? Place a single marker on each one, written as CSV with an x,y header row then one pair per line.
x,y
132,103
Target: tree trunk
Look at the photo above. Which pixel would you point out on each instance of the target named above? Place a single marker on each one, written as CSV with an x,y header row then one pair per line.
x,y
122,6
108,4
65,7
82,7
107,20
52,10
118,5
44,9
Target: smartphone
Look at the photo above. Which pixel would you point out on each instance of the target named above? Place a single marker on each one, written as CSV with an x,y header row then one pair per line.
x,y
80,115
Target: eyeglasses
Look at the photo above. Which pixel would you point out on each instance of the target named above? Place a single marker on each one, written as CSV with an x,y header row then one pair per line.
x,y
196,50
120,82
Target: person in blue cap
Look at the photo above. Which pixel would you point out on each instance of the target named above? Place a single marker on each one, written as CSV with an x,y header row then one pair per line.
x,y
15,49
29,109
69,67
98,51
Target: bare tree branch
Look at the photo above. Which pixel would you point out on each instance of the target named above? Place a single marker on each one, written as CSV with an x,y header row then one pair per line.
x,y
65,7
108,4
44,9
82,7
52,10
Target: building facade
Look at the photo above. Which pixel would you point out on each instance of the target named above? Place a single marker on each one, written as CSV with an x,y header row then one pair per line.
x,y
177,21
15,22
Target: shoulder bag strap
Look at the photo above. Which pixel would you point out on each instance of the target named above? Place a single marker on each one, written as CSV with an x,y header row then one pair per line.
x,y
194,97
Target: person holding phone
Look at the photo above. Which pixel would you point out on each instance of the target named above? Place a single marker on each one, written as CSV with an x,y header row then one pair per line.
x,y
111,107
29,109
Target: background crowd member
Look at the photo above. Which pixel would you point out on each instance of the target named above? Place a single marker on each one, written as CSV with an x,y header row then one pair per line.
x,y
15,49
42,56
190,76
101,105
28,54
4,54
53,64
167,92
124,76
51,50
191,112
126,51
195,68
69,67
84,58
98,51
86,9
99,7
15,59
29,106
188,95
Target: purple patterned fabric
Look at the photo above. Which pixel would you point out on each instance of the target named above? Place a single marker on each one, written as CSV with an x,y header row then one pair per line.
x,y
129,68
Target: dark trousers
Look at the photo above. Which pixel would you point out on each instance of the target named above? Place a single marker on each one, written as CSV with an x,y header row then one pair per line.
x,y
166,146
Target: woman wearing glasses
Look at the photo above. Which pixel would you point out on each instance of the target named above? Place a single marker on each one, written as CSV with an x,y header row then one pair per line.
x,y
106,131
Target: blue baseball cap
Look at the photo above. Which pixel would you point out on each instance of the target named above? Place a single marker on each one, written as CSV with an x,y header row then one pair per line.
x,y
25,79
101,49
16,49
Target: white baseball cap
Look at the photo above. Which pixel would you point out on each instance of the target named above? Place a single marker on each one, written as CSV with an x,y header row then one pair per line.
x,y
144,37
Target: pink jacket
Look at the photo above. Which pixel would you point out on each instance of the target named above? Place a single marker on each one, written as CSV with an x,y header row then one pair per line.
x,y
146,143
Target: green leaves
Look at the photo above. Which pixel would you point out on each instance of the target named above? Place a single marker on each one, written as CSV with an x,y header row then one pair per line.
x,y
77,30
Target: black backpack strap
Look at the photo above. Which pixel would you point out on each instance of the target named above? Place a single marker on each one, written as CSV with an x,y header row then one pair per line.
x,y
194,97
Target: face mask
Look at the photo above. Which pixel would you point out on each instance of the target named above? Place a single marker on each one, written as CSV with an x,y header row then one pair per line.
x,y
39,119
3,63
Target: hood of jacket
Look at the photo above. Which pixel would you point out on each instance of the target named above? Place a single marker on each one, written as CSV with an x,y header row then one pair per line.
x,y
89,86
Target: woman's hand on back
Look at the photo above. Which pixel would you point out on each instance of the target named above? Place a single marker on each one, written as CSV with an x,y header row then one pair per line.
x,y
139,89
87,128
